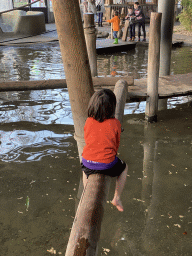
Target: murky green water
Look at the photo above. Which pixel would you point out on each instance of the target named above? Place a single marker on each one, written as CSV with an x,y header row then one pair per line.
x,y
40,171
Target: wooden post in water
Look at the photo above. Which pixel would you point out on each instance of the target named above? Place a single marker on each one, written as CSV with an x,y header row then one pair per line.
x,y
167,8
86,227
76,62
90,39
153,67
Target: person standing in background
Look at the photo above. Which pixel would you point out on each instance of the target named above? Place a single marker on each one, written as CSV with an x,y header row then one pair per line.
x,y
100,11
92,8
140,20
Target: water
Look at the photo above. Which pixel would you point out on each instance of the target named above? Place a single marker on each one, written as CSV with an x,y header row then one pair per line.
x,y
40,170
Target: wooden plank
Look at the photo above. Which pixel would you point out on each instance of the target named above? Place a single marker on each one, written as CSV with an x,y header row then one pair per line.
x,y
99,82
125,31
169,86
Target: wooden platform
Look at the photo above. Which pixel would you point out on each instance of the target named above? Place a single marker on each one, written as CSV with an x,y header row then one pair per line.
x,y
107,46
169,86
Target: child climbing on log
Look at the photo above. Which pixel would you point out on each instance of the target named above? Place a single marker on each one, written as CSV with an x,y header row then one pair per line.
x,y
102,138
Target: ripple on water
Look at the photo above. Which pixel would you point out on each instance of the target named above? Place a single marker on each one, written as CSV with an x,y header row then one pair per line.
x,y
25,146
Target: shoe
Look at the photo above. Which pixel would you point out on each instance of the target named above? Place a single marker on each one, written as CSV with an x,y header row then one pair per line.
x,y
144,40
133,38
116,41
130,39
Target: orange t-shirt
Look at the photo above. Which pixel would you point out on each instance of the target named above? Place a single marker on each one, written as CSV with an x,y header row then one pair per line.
x,y
116,21
102,140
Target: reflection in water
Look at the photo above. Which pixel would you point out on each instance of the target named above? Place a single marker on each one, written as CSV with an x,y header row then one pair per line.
x,y
39,62
25,146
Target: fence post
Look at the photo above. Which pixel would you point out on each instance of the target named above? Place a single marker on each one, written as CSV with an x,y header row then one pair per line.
x,y
153,67
90,39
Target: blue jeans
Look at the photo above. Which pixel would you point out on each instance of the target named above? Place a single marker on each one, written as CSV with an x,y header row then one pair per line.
x,y
100,17
115,34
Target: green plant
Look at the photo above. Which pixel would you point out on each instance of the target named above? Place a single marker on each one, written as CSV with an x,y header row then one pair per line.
x,y
185,16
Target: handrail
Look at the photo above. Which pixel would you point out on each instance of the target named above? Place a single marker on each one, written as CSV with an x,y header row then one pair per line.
x,y
18,8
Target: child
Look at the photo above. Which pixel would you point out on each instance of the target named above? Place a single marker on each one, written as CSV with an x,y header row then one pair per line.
x,y
102,137
116,21
140,18
131,18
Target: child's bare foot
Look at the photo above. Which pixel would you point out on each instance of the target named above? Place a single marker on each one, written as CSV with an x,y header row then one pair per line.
x,y
118,204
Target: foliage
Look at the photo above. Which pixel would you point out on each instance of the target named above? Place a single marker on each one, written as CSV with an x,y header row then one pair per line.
x,y
185,16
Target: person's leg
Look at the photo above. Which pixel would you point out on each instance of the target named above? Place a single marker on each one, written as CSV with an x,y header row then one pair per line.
x,y
133,32
130,32
84,179
101,19
139,31
120,182
98,20
144,32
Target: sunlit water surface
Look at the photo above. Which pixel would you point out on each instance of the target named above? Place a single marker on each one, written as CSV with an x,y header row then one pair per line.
x,y
40,171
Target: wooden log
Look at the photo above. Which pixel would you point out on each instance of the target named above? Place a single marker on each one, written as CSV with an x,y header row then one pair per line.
x,y
125,31
55,84
153,67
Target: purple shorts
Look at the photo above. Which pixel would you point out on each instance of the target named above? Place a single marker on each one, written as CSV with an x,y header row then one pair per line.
x,y
114,171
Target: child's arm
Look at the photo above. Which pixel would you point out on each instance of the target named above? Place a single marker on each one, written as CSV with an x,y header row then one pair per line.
x,y
111,20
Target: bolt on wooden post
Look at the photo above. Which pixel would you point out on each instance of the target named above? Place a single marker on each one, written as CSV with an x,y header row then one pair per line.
x,y
90,39
153,67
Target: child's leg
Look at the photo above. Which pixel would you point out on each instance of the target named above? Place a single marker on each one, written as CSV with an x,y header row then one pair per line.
x,y
84,179
120,182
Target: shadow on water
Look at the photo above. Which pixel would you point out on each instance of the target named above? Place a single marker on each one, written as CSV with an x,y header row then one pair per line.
x,y
40,170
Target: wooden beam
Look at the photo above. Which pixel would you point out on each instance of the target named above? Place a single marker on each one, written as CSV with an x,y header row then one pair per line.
x,y
58,83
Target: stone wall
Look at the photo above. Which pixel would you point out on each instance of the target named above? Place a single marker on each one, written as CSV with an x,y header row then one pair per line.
x,y
26,23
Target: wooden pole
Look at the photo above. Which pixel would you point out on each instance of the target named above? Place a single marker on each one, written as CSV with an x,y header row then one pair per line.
x,y
112,14
76,63
153,67
90,39
166,7
86,227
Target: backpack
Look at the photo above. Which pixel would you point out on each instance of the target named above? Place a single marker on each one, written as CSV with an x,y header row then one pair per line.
x,y
98,7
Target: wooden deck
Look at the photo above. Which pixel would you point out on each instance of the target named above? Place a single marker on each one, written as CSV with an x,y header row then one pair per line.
x,y
169,86
107,46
